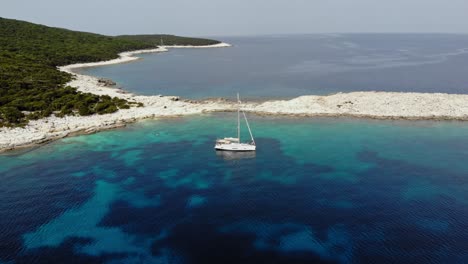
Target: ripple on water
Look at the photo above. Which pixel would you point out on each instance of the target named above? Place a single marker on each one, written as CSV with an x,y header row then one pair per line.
x,y
130,195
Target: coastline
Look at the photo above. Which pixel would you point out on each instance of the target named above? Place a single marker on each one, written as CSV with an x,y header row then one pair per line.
x,y
128,56
219,45
376,105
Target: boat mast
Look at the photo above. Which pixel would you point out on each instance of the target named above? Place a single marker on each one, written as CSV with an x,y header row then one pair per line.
x,y
248,126
238,118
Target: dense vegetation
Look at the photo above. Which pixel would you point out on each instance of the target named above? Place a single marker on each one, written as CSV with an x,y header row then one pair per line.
x,y
31,87
168,40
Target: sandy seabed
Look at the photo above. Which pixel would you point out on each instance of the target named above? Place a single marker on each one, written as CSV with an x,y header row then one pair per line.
x,y
379,105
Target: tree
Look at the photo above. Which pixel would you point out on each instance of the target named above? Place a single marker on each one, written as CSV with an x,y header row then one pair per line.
x,y
11,114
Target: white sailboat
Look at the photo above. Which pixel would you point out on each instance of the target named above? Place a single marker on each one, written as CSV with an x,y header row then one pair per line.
x,y
235,144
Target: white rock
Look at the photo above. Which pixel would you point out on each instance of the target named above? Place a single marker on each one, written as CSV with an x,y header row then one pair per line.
x,y
358,104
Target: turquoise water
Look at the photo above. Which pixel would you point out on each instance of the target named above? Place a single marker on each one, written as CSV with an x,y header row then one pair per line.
x,y
317,190
262,67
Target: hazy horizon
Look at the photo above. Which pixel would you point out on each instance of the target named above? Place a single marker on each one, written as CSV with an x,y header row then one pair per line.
x,y
256,17
279,34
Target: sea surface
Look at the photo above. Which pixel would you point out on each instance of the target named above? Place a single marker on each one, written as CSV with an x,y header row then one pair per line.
x,y
318,190
286,66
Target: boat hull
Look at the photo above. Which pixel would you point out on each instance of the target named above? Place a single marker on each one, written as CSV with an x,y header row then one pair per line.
x,y
235,147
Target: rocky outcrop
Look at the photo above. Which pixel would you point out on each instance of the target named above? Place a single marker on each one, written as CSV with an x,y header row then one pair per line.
x,y
381,105
106,82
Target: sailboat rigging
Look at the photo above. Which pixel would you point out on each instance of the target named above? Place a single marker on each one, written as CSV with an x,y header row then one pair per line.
x,y
235,144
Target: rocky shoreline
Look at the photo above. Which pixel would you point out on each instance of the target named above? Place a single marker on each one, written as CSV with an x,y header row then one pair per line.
x,y
377,105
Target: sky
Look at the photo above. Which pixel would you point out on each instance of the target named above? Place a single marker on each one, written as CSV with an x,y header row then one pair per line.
x,y
243,17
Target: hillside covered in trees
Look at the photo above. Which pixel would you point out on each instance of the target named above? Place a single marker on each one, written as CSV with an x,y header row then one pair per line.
x,y
168,40
32,87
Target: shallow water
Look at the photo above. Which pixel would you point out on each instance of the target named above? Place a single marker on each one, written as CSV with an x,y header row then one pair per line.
x,y
289,66
323,190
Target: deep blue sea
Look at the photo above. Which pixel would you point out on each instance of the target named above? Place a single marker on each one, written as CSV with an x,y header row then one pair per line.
x,y
317,190
289,66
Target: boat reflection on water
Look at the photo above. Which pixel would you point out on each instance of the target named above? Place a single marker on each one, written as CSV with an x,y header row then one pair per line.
x,y
235,155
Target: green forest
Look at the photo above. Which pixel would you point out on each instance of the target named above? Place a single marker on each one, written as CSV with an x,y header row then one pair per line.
x,y
168,40
32,87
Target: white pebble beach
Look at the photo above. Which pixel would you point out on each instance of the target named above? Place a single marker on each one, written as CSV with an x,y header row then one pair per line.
x,y
379,105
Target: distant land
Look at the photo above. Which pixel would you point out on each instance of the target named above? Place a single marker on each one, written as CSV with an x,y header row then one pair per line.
x,y
31,86
38,87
